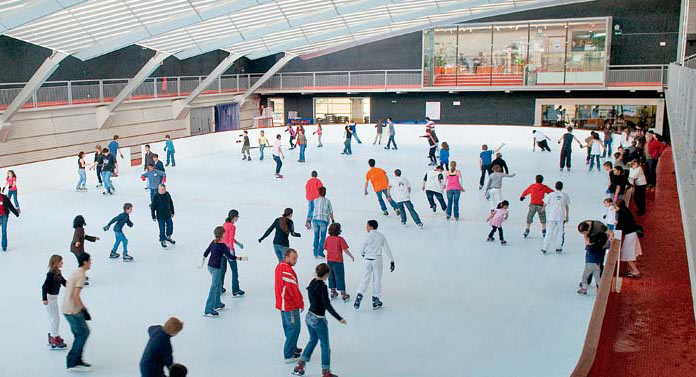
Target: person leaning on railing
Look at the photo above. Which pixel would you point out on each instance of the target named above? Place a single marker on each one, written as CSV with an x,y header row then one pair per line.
x,y
593,231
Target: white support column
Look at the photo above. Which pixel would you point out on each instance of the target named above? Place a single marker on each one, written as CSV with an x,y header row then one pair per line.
x,y
262,80
40,76
104,113
180,107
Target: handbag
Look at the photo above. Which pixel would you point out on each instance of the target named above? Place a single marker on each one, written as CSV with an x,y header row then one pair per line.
x,y
85,314
639,231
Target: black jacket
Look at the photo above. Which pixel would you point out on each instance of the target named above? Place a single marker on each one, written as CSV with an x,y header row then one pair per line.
x,y
51,285
319,301
281,238
157,354
500,162
9,208
625,221
162,206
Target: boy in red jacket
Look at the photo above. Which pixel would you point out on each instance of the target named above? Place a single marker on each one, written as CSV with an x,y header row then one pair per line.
x,y
289,301
537,190
311,193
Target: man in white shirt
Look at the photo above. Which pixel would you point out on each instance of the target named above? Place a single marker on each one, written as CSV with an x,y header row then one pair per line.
x,y
76,314
433,184
626,140
371,251
400,190
277,154
556,207
539,138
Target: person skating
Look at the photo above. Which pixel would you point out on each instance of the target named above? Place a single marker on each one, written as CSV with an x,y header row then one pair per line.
x,y
540,139
374,245
77,246
217,251
317,325
595,147
230,240
454,188
263,143
335,246
379,129
432,143
114,151
283,227
169,148
77,315
444,155
608,138
392,134
288,300
556,207
292,132
108,163
494,188
11,187
6,208
120,220
311,193
82,172
158,351
323,212
246,146
154,179
354,130
318,132
433,184
591,231
162,211
49,296
429,124
147,158
380,183
400,189
495,220
277,155
348,134
302,143
158,164
97,164
537,191
567,147
500,162
485,160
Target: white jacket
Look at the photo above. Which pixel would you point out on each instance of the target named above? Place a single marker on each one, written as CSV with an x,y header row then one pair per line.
x,y
434,181
373,246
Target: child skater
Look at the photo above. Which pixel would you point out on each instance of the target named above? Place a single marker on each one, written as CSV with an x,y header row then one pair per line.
x,y
292,136
246,146
77,246
11,187
49,295
97,164
335,246
444,155
81,165
496,219
169,148
217,250
318,132
432,143
263,143
317,325
120,221
230,240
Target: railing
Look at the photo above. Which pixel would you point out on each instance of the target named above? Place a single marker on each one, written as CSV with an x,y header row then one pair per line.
x,y
689,61
57,93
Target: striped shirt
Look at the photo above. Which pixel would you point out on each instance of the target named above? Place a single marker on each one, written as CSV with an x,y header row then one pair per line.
x,y
322,209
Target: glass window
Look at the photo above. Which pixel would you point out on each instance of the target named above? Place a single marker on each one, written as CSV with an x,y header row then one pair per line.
x,y
445,55
428,58
474,55
509,54
586,53
547,45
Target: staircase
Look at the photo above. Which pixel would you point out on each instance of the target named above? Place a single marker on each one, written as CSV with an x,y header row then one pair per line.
x,y
470,79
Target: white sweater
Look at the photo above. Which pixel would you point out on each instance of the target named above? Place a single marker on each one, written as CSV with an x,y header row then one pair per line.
x,y
373,246
636,177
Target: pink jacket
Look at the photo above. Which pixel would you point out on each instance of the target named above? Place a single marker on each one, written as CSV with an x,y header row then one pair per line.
x,y
497,217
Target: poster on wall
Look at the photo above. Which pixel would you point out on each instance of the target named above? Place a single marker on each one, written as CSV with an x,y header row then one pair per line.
x,y
432,110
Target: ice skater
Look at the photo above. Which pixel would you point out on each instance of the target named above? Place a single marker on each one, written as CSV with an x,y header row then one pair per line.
x,y
154,179
6,208
108,163
373,247
114,151
158,164
380,183
292,132
49,296
302,143
540,139
379,129
312,192
283,227
122,219
323,212
567,147
537,191
169,148
158,351
595,148
317,325
335,246
595,249
217,250
592,231
495,220
500,162
77,315
97,164
263,143
11,187
289,302
81,172
147,159
162,210
444,155
391,132
494,188
246,146
432,143
429,124
454,189
277,155
318,132
348,133
77,246
433,184
485,160
556,207
354,130
230,240
400,189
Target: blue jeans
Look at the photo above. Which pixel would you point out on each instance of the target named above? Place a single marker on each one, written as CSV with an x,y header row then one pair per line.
x,y
391,141
607,148
80,331
120,237
170,157
302,150
320,227
593,158
355,135
381,201
213,301
291,327
337,276
278,162
152,195
453,202
310,213
279,251
83,178
106,179
412,211
261,148
346,147
3,224
12,194
166,228
235,274
318,329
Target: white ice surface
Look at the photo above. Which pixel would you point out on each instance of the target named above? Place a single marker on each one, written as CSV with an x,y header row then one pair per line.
x,y
455,305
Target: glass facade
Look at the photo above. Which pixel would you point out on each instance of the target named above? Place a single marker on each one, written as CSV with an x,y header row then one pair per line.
x,y
593,116
534,53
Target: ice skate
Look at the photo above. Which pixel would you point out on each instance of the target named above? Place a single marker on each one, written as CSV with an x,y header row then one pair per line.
x,y
543,251
334,294
114,255
376,303
503,242
559,251
299,368
327,373
82,367
56,343
543,232
163,244
420,225
358,299
127,258
385,213
239,293
221,307
397,212
212,314
170,240
490,239
345,297
582,291
526,233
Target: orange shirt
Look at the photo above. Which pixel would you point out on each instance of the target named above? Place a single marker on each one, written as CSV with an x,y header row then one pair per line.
x,y
379,179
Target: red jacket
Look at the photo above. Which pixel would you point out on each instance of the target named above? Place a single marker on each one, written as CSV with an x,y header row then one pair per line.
x,y
312,188
655,148
288,295
537,190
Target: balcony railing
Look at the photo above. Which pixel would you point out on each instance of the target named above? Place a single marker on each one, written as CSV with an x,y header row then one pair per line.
x,y
59,93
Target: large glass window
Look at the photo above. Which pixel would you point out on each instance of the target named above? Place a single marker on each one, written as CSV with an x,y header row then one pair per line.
x,y
342,109
474,61
586,53
509,54
547,48
445,52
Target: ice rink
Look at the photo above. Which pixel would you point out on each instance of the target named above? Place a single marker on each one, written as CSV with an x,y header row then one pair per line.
x,y
456,305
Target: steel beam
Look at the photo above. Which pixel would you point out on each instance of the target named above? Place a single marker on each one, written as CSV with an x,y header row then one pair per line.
x,y
262,80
